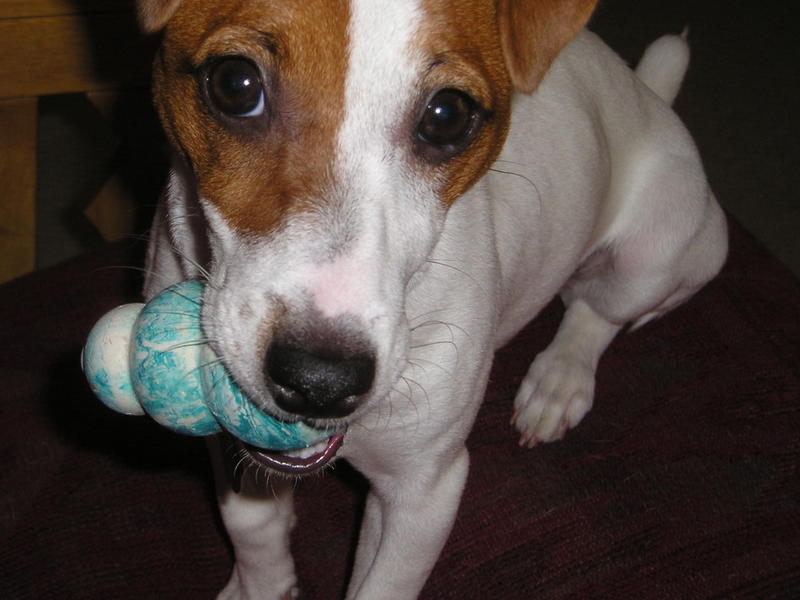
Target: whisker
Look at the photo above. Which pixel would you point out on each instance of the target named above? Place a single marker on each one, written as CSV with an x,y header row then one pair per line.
x,y
244,462
181,345
510,162
450,327
442,263
201,269
179,313
121,267
218,380
408,395
521,176
408,398
415,362
197,301
425,314
195,341
408,381
429,344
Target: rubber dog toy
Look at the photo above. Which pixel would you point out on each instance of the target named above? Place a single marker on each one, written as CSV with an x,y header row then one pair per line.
x,y
153,359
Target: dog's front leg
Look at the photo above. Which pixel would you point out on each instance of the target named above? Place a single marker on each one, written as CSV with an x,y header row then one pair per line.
x,y
558,390
258,519
411,445
406,523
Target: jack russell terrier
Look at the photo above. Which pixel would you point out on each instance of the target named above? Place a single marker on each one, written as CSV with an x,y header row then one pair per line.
x,y
379,195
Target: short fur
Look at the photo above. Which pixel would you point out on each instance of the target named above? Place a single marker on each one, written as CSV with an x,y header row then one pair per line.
x,y
323,225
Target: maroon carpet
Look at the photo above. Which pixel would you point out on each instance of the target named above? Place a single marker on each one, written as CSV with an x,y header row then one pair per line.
x,y
681,483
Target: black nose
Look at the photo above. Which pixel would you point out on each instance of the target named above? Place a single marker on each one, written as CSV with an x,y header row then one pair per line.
x,y
317,385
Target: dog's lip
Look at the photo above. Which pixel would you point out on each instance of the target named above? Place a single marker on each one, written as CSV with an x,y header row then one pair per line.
x,y
301,461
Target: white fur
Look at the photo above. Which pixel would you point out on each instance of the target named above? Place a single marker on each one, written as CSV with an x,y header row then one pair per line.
x,y
607,203
663,65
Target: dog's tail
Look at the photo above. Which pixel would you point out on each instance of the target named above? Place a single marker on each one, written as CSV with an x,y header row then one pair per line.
x,y
664,65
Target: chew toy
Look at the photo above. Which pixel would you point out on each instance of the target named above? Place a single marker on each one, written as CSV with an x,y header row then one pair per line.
x,y
153,358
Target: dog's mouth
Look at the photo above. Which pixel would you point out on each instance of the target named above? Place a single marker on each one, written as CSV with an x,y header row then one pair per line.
x,y
302,461
297,462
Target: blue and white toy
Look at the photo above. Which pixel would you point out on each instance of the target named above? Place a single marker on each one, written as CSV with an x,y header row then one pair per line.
x,y
152,358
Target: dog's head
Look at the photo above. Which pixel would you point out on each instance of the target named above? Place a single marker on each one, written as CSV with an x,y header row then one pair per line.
x,y
325,141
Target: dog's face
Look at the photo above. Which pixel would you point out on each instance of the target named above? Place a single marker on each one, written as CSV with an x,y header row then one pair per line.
x,y
327,140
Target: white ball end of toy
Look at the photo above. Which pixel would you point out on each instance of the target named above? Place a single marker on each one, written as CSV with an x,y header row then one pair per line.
x,y
105,359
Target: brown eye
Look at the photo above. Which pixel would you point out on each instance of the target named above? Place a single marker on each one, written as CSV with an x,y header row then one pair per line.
x,y
449,123
234,87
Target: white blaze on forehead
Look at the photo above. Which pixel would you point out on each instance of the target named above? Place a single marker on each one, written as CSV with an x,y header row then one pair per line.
x,y
380,80
380,89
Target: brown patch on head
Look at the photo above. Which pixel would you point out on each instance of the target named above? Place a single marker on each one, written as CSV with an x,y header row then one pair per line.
x,y
461,43
486,48
256,170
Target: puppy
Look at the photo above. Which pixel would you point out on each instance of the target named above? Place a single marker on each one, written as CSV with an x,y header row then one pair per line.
x,y
380,194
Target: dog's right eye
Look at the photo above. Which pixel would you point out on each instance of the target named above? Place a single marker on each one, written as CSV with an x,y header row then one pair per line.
x,y
235,88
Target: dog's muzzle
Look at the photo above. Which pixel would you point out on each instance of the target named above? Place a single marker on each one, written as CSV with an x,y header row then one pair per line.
x,y
317,384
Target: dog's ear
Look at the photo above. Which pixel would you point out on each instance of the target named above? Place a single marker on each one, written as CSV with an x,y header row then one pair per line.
x,y
533,32
154,14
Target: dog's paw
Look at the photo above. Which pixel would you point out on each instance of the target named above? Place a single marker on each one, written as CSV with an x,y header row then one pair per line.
x,y
554,396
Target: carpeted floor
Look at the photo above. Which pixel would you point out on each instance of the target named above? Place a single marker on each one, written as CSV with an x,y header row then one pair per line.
x,y
681,483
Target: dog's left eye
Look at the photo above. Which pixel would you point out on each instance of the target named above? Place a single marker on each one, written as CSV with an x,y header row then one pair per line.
x,y
450,122
234,87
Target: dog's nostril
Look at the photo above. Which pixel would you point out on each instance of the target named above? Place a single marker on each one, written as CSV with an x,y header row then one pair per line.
x,y
315,385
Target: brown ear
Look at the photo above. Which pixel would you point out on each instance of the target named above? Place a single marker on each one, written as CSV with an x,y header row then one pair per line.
x,y
154,14
533,32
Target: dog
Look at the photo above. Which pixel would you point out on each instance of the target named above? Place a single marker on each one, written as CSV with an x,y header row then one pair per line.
x,y
380,194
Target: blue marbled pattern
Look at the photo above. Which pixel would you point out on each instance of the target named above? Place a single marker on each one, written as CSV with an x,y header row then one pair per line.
x,y
105,359
238,415
159,361
164,360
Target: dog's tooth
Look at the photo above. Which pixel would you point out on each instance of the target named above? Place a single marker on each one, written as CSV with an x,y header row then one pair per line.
x,y
308,452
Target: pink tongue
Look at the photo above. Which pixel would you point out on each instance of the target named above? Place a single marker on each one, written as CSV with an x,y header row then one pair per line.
x,y
292,465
